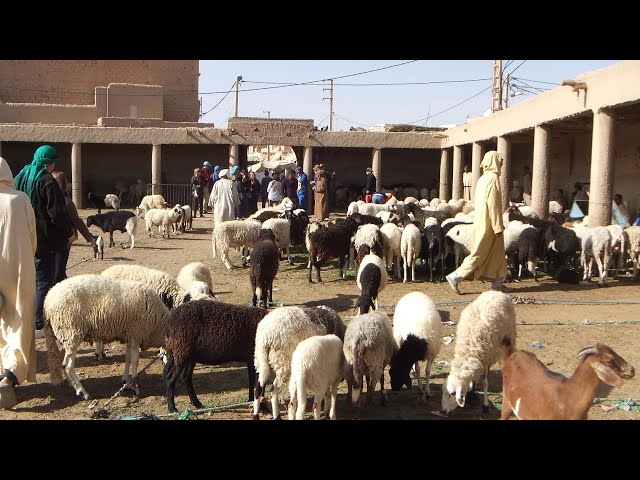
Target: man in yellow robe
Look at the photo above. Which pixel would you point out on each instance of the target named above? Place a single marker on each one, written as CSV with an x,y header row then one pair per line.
x,y
487,258
18,243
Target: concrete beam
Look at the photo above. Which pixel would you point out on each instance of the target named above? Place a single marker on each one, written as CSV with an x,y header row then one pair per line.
x,y
445,171
541,167
457,190
156,169
602,168
376,166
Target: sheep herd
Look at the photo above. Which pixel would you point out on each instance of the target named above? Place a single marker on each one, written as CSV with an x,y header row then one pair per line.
x,y
311,348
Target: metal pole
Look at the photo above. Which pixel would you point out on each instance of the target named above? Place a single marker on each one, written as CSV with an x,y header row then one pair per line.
x,y
238,80
331,109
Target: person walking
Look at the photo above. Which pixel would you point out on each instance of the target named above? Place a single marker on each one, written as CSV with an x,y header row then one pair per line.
x,y
198,183
487,259
62,256
53,224
18,242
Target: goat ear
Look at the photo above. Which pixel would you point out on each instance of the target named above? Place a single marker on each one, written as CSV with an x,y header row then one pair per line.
x,y
607,375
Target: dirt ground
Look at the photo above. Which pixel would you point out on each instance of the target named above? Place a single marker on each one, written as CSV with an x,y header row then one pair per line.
x,y
553,319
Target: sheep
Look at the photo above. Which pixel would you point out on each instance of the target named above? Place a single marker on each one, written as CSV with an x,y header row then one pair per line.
x,y
163,219
563,243
103,202
299,220
137,191
281,229
555,207
277,336
512,234
352,208
264,267
528,248
432,248
368,348
272,212
331,242
633,235
187,218
410,246
367,239
98,249
101,309
458,238
317,365
533,392
416,329
618,245
162,283
234,233
424,193
211,333
151,201
122,221
371,280
388,217
483,325
195,278
391,238
596,245
411,192
373,208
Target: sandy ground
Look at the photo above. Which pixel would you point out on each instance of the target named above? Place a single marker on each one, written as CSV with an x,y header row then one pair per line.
x,y
551,315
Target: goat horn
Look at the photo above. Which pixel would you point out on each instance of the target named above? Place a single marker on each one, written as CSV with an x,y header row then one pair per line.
x,y
587,351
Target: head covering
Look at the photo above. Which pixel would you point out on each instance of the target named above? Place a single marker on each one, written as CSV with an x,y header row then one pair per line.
x,y
233,170
369,170
206,164
299,169
491,162
28,177
216,169
223,173
6,175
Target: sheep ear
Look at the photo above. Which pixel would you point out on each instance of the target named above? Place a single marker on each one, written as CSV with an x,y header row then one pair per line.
x,y
187,298
460,398
607,375
212,294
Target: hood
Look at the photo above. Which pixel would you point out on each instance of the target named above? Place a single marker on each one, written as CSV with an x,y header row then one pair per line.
x,y
492,162
6,176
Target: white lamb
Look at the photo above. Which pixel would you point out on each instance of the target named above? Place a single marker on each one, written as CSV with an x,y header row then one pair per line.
x,y
410,245
281,228
618,245
370,288
93,307
151,201
391,237
373,208
461,236
416,329
317,365
352,208
633,235
163,219
368,348
195,278
112,200
237,234
482,326
367,240
596,245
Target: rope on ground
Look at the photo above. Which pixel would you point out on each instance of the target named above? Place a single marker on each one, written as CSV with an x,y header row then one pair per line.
x,y
103,412
82,261
188,414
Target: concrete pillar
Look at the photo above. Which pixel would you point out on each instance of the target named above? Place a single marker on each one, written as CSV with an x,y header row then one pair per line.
x,y
457,190
156,170
445,170
602,166
541,165
1,151
234,155
477,152
76,175
307,166
504,149
376,166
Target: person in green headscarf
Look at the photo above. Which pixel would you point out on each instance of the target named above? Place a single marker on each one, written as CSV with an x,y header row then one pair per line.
x,y
487,259
53,224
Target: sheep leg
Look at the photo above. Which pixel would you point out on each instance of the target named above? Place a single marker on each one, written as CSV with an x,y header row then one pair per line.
x,y
275,412
133,240
382,390
602,267
485,388
356,389
430,267
416,374
188,381
133,381
317,399
405,270
343,270
427,374
289,255
70,370
99,349
225,259
371,380
111,242
334,397
397,262
127,362
413,271
171,386
270,288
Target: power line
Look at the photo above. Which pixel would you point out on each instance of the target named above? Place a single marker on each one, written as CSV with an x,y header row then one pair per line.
x,y
225,96
454,106
536,81
350,121
382,84
511,73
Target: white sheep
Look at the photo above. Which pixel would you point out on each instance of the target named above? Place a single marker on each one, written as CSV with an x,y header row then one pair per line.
x,y
368,348
367,240
370,282
482,326
387,217
317,365
410,246
618,245
234,233
277,336
416,329
596,245
93,307
434,202
352,208
391,237
461,236
373,208
164,219
195,278
151,201
112,200
555,207
281,228
633,240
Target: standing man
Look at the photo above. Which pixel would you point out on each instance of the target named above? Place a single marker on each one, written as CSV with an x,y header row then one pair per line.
x,y
264,188
526,184
18,241
466,183
487,259
289,188
224,199
370,189
53,224
303,183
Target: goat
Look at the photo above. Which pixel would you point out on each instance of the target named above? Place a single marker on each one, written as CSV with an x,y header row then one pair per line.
x,y
533,392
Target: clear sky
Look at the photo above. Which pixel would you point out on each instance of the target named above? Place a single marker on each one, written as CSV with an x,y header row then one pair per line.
x,y
361,105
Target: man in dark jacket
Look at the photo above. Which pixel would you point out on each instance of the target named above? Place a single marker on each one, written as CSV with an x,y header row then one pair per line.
x,y
371,182
53,224
290,188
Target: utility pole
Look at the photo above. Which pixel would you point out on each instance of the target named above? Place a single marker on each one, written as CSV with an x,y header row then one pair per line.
x,y
268,112
238,80
505,93
496,103
330,104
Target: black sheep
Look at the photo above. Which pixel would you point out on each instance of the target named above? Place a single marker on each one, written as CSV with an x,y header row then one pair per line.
x,y
370,279
413,349
332,241
433,248
264,267
97,201
371,219
121,220
212,333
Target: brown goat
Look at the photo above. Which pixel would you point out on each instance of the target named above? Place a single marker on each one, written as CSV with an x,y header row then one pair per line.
x,y
533,392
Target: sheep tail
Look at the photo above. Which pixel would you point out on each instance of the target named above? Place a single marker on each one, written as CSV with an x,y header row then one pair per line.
x,y
261,361
55,355
506,347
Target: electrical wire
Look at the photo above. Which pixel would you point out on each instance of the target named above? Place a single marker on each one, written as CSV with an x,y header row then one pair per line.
x,y
454,106
225,96
434,82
